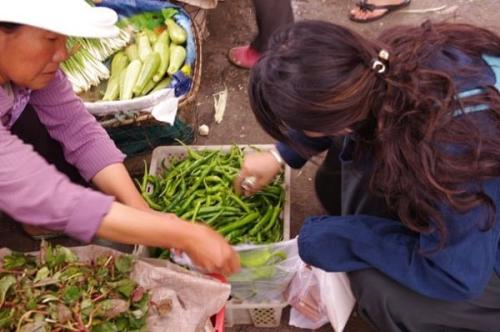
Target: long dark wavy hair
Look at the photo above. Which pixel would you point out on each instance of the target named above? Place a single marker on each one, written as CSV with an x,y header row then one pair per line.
x,y
317,76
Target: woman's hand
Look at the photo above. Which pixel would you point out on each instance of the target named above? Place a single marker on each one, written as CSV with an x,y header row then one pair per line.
x,y
261,166
206,248
209,251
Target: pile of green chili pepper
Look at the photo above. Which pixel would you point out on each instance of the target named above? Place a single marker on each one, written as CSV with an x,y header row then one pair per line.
x,y
200,188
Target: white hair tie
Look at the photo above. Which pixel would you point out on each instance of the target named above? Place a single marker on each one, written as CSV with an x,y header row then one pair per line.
x,y
380,64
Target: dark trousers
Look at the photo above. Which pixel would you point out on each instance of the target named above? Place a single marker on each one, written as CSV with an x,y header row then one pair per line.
x,y
386,304
270,15
391,307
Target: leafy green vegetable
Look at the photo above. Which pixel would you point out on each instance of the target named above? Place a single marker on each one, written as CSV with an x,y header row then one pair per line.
x,y
5,318
17,260
71,294
5,283
105,327
60,293
144,20
124,263
169,12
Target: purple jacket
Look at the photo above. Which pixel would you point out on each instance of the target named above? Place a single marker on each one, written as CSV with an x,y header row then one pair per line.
x,y
34,192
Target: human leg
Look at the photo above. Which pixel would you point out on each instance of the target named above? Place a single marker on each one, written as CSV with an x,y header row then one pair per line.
x,y
270,16
391,307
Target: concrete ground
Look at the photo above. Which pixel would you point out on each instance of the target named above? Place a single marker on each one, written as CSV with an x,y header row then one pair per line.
x,y
232,23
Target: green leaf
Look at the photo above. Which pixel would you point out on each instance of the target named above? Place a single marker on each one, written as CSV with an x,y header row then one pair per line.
x,y
126,288
136,323
111,308
143,304
42,274
124,263
71,294
58,256
145,20
70,272
105,327
5,283
5,318
168,12
18,260
122,324
32,303
86,307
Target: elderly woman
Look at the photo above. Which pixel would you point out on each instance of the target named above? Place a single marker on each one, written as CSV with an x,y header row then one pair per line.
x,y
51,148
411,122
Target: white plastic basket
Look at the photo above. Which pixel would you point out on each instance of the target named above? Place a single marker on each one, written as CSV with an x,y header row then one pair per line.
x,y
163,156
256,314
236,313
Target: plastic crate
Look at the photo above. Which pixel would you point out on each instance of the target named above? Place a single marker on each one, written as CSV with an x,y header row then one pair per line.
x,y
236,312
163,155
256,314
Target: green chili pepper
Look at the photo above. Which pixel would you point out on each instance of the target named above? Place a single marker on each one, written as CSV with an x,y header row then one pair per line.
x,y
196,209
239,202
152,204
249,218
262,221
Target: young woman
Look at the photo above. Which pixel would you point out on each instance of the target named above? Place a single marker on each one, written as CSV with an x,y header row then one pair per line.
x,y
411,181
45,131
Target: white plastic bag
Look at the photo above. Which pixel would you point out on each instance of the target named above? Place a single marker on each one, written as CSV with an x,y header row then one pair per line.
x,y
161,104
336,296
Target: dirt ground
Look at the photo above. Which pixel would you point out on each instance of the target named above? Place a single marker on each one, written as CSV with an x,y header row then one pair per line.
x,y
232,23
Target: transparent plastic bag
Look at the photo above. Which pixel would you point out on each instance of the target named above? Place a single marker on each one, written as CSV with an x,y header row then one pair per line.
x,y
299,320
318,297
303,294
265,272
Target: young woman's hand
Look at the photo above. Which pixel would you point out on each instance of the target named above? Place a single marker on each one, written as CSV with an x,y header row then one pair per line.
x,y
260,168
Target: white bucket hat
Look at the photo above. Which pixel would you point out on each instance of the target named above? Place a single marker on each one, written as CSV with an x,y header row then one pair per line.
x,y
68,17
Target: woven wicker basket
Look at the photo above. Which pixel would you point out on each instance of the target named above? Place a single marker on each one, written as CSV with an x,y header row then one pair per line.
x,y
187,103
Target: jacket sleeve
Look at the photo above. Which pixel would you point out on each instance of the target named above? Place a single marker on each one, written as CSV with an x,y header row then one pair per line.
x,y
34,192
86,144
460,270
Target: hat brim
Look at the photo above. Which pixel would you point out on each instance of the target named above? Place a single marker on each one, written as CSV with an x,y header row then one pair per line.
x,y
82,21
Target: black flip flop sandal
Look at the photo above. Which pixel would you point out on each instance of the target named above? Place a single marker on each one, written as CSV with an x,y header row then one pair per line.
x,y
368,7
